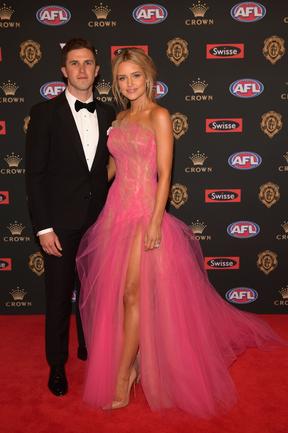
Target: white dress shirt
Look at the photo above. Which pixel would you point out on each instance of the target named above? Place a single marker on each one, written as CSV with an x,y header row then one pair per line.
x,y
88,128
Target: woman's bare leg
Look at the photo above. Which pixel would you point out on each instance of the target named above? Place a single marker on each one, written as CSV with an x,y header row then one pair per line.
x,y
131,320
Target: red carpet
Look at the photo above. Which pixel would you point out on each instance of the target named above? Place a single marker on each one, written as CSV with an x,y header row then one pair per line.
x,y
26,405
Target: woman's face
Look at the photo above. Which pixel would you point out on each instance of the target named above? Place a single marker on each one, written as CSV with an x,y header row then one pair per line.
x,y
131,80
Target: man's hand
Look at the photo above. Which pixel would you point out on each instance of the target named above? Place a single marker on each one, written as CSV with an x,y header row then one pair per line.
x,y
51,244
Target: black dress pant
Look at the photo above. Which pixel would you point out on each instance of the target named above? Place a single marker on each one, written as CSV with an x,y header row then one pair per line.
x,y
60,280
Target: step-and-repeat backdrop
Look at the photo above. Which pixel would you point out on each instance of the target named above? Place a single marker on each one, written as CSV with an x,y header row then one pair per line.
x,y
223,76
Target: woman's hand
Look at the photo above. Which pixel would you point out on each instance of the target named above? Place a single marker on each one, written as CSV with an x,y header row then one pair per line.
x,y
152,236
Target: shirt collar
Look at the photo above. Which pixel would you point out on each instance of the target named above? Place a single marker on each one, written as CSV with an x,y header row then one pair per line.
x,y
71,99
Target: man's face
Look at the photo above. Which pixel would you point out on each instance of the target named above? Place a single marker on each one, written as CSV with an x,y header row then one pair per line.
x,y
80,70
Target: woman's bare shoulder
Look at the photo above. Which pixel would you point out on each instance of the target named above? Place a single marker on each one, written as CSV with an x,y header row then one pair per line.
x,y
160,116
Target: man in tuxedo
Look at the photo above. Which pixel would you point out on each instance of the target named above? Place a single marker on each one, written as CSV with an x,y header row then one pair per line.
x,y
67,184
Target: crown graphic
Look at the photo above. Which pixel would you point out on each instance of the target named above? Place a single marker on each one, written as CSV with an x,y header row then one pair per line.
x,y
16,228
284,292
101,11
198,227
285,226
9,88
18,294
6,12
103,87
198,86
199,9
286,156
13,160
198,158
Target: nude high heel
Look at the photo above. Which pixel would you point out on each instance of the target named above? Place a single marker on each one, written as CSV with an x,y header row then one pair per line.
x,y
118,404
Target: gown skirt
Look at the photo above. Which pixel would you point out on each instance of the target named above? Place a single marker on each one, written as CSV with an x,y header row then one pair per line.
x,y
189,335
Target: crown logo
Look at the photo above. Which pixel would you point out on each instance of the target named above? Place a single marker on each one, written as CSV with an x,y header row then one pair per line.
x,y
9,88
101,11
285,226
6,12
284,292
199,9
286,156
198,227
13,160
198,86
16,228
198,158
103,87
18,294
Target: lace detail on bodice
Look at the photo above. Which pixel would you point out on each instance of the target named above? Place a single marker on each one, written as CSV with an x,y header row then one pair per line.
x,y
133,148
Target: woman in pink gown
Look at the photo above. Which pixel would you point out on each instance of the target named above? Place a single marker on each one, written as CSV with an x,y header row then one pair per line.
x,y
147,307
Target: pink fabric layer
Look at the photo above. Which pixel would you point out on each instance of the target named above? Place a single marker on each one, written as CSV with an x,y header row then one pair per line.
x,y
189,335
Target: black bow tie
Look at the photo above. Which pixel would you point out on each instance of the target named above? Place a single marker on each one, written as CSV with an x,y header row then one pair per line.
x,y
90,106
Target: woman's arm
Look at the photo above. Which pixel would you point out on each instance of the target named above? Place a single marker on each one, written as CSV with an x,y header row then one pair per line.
x,y
162,125
111,168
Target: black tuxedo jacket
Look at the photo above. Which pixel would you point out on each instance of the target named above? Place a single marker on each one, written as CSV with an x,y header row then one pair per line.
x,y
62,192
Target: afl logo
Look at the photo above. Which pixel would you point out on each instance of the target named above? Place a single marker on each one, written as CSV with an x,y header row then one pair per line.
x,y
244,160
248,12
53,15
160,89
246,88
243,229
52,89
241,295
150,14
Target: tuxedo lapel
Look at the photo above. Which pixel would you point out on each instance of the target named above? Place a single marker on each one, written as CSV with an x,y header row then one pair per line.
x,y
101,115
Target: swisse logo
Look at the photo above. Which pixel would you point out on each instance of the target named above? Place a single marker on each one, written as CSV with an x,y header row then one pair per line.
x,y
160,89
243,229
225,51
248,12
241,295
246,88
222,196
222,263
53,15
2,127
224,125
244,160
52,89
4,197
5,264
150,13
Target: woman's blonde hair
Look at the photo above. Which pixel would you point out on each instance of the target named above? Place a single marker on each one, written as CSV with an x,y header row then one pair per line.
x,y
137,56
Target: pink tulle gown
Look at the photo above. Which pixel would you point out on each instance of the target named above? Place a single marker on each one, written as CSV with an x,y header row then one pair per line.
x,y
189,335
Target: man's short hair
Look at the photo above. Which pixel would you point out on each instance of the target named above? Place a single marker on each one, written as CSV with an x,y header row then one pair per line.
x,y
75,44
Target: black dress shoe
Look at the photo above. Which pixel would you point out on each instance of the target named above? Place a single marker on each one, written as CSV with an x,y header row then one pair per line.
x,y
82,353
57,381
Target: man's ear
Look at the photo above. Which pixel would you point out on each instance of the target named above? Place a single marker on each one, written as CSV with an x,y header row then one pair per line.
x,y
63,70
97,70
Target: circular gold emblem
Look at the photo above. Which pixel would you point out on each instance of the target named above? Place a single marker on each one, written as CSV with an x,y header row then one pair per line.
x,y
269,194
26,123
179,124
178,195
30,52
36,263
267,261
271,123
273,49
177,50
